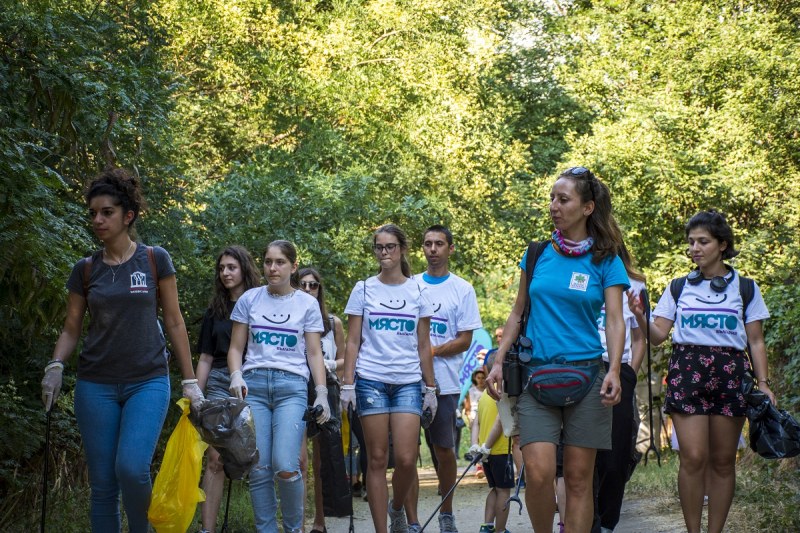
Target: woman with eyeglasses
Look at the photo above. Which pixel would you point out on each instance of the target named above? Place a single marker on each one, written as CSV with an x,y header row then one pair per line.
x,y
577,273
281,327
388,352
333,355
234,274
713,328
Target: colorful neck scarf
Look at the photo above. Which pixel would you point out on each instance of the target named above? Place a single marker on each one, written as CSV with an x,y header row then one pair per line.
x,y
572,248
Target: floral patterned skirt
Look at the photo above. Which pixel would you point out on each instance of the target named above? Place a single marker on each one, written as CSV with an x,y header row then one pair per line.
x,y
706,380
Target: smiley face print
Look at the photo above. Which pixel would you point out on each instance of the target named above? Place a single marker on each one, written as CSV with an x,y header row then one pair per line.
x,y
277,318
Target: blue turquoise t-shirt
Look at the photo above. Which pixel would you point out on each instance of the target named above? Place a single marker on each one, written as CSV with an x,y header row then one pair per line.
x,y
566,299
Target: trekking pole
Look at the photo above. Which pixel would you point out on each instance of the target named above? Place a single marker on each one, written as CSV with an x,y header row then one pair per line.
x,y
652,447
227,507
46,463
449,492
352,466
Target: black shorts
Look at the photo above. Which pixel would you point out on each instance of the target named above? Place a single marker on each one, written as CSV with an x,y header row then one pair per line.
x,y
499,471
442,431
706,380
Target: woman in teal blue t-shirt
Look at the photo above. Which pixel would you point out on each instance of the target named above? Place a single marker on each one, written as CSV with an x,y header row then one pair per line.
x,y
575,275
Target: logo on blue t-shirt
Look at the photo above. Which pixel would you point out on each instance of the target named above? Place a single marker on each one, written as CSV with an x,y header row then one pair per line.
x,y
579,282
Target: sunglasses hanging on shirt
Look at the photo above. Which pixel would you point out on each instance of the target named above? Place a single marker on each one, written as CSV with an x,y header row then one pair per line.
x,y
718,283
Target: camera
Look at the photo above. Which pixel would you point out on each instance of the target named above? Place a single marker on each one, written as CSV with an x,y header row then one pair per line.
x,y
517,356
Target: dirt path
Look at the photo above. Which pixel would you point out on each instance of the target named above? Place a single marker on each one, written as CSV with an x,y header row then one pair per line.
x,y
638,515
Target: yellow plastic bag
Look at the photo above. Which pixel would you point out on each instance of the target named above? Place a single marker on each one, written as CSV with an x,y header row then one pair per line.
x,y
176,491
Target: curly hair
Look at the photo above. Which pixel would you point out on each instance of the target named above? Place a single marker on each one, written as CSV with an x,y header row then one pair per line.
x,y
714,222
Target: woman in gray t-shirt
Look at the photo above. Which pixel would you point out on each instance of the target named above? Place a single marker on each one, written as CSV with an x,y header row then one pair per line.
x,y
122,391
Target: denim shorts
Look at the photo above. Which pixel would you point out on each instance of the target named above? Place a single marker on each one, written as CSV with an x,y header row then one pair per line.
x,y
378,398
217,386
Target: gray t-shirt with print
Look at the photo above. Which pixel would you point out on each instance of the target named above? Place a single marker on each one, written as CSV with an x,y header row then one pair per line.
x,y
125,342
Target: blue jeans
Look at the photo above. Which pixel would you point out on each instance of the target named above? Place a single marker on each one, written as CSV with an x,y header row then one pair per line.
x,y
278,401
217,384
378,398
120,425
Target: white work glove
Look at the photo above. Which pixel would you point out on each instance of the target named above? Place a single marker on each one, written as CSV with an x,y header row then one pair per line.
x,y
238,388
322,400
507,411
479,450
347,397
330,365
430,401
51,383
191,390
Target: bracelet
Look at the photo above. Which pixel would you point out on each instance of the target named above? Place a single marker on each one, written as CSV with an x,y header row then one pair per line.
x,y
189,381
349,387
767,381
430,389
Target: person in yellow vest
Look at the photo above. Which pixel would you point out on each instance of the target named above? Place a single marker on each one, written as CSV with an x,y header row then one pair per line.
x,y
497,466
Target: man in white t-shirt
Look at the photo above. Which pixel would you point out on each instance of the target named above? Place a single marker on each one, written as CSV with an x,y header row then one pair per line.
x,y
456,315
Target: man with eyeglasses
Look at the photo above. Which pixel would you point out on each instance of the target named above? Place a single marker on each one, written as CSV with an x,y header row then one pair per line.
x,y
455,317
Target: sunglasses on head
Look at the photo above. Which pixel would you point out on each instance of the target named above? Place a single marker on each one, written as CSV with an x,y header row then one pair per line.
x,y
582,173
310,285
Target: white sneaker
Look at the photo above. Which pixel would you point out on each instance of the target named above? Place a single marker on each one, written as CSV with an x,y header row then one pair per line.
x,y
447,523
397,520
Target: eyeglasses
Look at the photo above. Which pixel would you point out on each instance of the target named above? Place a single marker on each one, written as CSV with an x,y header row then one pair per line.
x,y
309,285
379,248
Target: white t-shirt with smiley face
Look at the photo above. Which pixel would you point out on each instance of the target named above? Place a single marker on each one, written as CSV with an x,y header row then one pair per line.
x,y
708,318
277,325
391,313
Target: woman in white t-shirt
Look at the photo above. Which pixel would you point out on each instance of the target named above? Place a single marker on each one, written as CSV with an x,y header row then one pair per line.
x,y
333,354
614,465
388,352
712,331
277,323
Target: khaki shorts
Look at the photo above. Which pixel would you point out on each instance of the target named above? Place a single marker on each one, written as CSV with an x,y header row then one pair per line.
x,y
586,424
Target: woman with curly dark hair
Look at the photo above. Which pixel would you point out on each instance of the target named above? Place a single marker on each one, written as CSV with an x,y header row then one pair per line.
x,y
713,328
123,390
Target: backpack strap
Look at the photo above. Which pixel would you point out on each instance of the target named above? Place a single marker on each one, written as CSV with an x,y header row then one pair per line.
x,y
87,272
676,288
535,250
151,258
747,290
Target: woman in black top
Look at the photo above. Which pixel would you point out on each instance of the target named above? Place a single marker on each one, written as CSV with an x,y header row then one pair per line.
x,y
235,273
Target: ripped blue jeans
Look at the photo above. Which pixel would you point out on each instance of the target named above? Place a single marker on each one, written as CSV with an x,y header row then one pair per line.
x,y
278,401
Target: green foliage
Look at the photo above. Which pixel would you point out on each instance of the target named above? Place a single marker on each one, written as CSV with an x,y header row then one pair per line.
x,y
783,340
